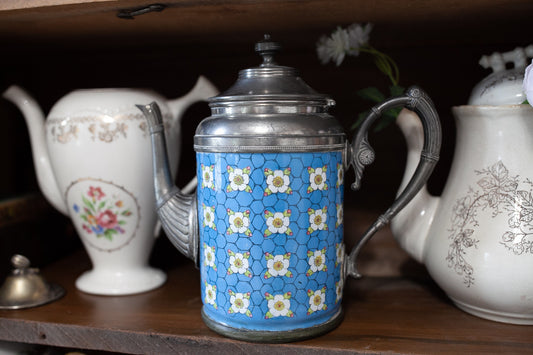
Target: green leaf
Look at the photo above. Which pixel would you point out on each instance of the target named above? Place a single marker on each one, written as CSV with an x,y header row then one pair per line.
x,y
396,90
360,118
109,234
88,203
371,93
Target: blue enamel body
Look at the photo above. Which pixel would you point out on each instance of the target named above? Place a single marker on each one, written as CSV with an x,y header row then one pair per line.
x,y
271,247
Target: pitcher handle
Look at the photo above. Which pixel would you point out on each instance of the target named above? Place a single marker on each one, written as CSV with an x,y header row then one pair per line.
x,y
362,154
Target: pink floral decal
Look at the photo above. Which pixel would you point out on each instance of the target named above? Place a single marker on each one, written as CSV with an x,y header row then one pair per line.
x,y
103,217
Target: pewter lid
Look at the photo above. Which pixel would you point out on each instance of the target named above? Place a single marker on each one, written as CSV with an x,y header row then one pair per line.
x,y
270,81
269,109
25,287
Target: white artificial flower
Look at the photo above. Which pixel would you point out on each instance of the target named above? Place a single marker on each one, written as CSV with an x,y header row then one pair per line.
x,y
358,36
333,48
528,83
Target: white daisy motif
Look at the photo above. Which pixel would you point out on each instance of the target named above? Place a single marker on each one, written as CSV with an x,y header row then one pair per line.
x,y
340,215
317,219
339,285
279,305
207,176
278,265
277,222
238,263
339,250
209,256
317,300
340,175
278,181
209,216
317,179
239,222
210,294
239,303
238,179
317,261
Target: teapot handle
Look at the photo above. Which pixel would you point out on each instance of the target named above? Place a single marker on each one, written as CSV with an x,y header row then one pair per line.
x,y
362,154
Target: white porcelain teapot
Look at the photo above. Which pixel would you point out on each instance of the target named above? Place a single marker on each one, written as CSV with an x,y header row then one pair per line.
x,y
93,160
476,240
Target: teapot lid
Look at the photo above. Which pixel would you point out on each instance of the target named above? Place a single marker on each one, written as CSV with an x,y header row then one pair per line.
x,y
269,109
503,86
270,81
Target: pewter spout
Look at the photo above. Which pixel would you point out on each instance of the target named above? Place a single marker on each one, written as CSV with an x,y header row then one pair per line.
x,y
177,211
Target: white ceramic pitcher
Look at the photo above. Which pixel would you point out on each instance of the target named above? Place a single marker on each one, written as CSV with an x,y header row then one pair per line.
x,y
476,240
92,156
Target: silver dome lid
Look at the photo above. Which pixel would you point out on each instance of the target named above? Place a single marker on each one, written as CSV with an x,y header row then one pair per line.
x,y
269,109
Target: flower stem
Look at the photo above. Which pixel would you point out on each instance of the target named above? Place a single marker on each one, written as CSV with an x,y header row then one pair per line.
x,y
384,62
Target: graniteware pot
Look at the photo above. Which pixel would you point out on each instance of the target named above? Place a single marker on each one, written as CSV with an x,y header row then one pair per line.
x,y
266,224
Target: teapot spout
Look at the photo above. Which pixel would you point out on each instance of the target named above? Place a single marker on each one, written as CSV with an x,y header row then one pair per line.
x,y
176,210
411,225
35,120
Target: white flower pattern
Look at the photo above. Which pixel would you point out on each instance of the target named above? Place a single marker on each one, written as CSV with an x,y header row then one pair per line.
x,y
279,305
277,222
278,265
210,294
278,181
317,261
239,303
317,179
207,176
239,179
317,219
239,263
317,300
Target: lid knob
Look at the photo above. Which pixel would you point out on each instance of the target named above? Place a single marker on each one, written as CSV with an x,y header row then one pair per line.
x,y
267,48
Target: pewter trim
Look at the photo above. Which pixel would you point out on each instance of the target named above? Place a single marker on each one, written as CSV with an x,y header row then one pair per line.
x,y
267,148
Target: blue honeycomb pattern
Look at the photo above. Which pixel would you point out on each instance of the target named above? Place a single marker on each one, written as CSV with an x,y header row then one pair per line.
x,y
271,229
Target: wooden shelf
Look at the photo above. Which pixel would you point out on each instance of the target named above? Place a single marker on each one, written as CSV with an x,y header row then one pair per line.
x,y
403,313
400,23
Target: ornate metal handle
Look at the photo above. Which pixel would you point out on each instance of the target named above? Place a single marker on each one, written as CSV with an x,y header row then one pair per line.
x,y
362,154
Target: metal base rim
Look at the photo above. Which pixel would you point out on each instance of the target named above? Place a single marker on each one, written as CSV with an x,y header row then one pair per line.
x,y
264,336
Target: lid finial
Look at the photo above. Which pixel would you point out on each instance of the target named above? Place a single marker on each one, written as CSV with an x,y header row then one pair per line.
x,y
267,48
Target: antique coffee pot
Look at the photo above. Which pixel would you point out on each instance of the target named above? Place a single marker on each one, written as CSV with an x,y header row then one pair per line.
x,y
266,224
90,156
476,239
